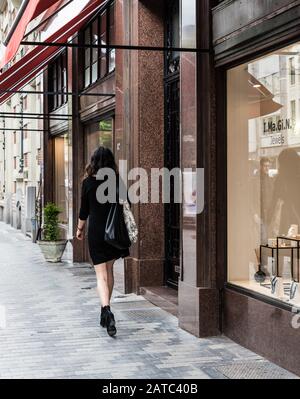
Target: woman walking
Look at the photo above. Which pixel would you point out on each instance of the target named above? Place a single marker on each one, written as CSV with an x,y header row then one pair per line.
x,y
102,254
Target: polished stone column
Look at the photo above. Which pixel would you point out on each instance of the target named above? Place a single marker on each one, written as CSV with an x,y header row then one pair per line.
x,y
140,130
198,294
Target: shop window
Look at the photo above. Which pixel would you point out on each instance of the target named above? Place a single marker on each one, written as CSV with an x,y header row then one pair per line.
x,y
99,62
112,52
264,177
62,180
58,82
100,134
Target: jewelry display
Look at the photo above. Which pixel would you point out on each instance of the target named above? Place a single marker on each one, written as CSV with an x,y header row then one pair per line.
x,y
287,271
282,267
272,242
282,244
293,231
271,266
295,292
294,245
259,276
277,287
274,281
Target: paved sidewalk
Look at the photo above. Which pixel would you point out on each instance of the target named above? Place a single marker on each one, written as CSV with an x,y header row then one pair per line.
x,y
52,328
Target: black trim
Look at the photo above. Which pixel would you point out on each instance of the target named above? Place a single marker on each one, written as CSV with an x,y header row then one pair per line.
x,y
259,37
58,87
121,47
260,297
104,115
54,93
172,211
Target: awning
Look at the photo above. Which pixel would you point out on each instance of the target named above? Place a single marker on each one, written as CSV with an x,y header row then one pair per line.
x,y
27,68
260,99
32,10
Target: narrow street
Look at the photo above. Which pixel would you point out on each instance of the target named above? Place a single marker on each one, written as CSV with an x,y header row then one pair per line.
x,y
52,328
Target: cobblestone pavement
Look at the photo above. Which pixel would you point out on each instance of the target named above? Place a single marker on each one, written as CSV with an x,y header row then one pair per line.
x,y
52,328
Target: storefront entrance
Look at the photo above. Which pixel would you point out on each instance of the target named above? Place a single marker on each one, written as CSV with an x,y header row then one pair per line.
x,y
62,179
62,194
172,143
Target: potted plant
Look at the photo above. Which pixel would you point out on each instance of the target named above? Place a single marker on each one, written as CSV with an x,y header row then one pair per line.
x,y
51,245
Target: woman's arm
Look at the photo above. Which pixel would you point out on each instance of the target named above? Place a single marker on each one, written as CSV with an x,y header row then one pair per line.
x,y
83,213
80,229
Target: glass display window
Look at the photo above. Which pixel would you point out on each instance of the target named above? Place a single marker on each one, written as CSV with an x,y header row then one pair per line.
x,y
63,181
263,157
99,134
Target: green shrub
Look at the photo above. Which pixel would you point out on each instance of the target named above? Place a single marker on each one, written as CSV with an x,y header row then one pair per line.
x,y
51,229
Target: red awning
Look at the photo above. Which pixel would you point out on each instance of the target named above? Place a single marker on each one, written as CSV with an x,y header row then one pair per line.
x,y
33,9
26,68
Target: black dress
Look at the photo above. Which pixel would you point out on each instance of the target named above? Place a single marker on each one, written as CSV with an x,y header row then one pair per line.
x,y
97,214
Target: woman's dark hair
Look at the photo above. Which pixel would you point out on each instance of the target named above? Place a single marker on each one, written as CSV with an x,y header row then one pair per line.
x,y
101,158
289,164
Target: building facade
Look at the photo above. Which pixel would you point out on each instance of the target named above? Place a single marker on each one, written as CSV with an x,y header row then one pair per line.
x,y
21,141
256,46
232,109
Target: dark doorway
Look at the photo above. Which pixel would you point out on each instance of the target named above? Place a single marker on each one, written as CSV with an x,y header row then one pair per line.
x,y
172,141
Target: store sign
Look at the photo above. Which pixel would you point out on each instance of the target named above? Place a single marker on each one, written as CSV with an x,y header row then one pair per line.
x,y
279,126
274,140
276,134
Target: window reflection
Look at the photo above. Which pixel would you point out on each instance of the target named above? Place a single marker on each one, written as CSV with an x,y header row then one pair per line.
x,y
100,62
100,134
264,171
188,21
63,178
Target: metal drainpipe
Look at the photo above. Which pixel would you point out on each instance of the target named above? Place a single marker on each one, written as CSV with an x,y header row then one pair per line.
x,y
16,21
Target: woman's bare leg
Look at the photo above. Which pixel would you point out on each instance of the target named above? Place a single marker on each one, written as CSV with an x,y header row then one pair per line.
x,y
102,284
110,276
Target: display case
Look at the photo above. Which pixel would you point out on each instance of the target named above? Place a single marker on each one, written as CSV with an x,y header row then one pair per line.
x,y
282,271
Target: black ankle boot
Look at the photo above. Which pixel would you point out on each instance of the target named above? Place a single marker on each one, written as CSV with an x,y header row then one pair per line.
x,y
102,317
109,321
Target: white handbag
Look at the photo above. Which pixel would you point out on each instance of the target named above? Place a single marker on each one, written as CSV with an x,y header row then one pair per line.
x,y
130,222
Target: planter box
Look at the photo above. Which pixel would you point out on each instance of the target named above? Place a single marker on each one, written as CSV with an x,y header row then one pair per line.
x,y
53,250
